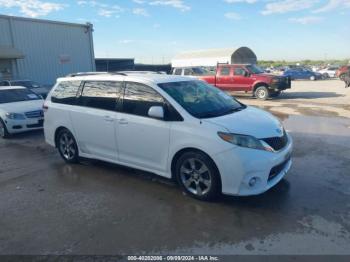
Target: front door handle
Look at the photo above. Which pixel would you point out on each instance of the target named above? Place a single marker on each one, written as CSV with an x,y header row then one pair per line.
x,y
123,121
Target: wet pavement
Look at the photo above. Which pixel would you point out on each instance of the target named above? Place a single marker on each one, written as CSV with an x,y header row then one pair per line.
x,y
48,207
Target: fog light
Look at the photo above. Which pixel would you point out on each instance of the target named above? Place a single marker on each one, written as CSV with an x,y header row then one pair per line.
x,y
252,181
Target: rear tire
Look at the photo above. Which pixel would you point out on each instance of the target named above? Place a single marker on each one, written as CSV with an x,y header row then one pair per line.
x,y
198,176
67,146
3,130
262,93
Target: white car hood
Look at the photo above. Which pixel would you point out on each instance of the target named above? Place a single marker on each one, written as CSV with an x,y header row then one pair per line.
x,y
250,121
22,107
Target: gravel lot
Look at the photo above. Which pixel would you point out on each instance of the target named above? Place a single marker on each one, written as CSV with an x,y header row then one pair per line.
x,y
48,207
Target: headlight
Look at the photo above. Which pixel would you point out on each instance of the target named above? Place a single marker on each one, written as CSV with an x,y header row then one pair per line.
x,y
245,141
275,80
15,116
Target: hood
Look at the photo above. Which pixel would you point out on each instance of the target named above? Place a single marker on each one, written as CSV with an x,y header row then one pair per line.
x,y
265,75
250,121
23,106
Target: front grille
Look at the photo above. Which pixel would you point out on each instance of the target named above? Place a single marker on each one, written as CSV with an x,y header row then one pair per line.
x,y
39,124
34,114
277,143
275,171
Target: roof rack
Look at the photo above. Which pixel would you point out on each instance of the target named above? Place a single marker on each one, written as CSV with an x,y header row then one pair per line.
x,y
140,72
94,74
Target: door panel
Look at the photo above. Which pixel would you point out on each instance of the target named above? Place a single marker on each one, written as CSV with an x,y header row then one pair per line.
x,y
95,118
142,141
224,79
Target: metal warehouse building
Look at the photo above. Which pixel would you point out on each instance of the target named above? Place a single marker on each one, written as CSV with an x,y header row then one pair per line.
x,y
211,57
42,50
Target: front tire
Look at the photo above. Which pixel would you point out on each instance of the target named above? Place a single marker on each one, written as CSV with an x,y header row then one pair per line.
x,y
198,176
3,130
312,78
262,93
276,94
67,146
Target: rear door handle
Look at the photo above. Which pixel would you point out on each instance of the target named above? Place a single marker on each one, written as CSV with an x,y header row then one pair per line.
x,y
123,121
108,119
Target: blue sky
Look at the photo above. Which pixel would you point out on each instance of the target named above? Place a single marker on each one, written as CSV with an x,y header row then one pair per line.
x,y
156,30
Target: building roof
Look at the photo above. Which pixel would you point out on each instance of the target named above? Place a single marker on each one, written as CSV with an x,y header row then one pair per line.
x,y
8,52
212,57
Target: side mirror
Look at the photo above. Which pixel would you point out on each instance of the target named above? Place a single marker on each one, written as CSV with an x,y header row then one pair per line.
x,y
156,112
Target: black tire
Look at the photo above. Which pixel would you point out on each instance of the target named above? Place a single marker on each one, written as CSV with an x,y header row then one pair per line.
x,y
275,94
3,130
201,180
67,146
262,93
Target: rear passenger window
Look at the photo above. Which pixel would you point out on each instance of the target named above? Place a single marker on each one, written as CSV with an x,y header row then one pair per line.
x,y
66,92
188,72
225,71
138,99
101,94
178,71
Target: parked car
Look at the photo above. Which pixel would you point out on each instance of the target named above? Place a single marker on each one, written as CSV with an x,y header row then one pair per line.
x,y
342,71
328,72
190,71
248,78
33,86
302,73
20,110
173,126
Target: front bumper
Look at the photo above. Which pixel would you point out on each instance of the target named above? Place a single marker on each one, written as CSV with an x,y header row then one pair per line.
x,y
19,126
239,165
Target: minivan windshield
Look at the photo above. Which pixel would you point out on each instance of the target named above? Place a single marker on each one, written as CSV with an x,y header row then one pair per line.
x,y
200,99
17,95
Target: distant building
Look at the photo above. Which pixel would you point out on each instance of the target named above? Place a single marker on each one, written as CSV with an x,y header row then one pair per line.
x,y
43,50
211,57
114,64
127,64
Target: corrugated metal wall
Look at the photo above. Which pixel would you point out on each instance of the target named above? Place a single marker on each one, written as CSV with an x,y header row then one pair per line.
x,y
5,35
51,49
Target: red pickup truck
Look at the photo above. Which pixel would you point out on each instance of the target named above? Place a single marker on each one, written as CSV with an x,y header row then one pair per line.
x,y
245,77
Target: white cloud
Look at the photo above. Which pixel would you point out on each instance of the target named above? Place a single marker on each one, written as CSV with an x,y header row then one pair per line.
x,y
333,4
125,41
178,4
233,16
285,6
241,1
32,8
140,11
306,20
103,9
140,2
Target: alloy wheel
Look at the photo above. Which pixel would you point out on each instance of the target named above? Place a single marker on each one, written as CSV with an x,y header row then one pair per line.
x,y
196,176
67,146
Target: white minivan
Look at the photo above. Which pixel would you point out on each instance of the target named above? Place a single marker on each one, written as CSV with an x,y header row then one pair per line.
x,y
173,126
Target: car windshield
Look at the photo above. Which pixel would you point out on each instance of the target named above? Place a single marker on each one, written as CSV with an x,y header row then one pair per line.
x,y
255,69
27,84
17,95
202,100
